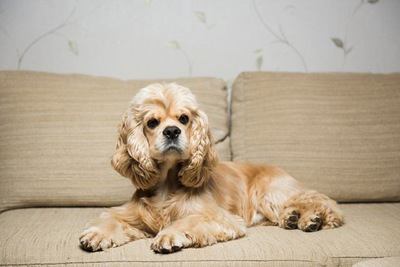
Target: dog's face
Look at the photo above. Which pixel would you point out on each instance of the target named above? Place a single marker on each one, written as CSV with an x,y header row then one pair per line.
x,y
167,130
164,123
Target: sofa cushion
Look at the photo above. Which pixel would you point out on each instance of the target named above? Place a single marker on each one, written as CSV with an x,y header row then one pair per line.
x,y
50,236
337,133
58,133
381,262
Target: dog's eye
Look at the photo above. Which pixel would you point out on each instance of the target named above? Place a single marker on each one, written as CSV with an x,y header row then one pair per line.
x,y
184,119
153,123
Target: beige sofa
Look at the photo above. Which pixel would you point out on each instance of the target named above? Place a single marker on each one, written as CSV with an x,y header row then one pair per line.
x,y
338,133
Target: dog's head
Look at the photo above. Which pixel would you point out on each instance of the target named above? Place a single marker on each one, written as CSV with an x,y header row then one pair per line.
x,y
164,123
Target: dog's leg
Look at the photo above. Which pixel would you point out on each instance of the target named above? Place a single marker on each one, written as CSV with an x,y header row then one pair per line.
x,y
310,211
272,195
118,226
199,230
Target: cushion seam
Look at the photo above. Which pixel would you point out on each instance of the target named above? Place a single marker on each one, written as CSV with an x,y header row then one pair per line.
x,y
198,261
166,261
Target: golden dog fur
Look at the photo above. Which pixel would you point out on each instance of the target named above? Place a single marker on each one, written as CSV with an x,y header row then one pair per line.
x,y
186,198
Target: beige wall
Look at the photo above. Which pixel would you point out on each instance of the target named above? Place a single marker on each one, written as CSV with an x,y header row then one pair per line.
x,y
159,38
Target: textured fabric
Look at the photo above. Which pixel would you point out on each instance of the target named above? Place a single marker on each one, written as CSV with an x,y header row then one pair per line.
x,y
337,133
58,133
383,262
50,236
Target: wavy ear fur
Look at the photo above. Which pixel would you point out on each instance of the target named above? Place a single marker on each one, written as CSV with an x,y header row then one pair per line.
x,y
131,158
203,157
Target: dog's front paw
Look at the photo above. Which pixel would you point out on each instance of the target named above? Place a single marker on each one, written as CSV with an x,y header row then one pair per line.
x,y
289,219
310,222
93,239
97,238
170,241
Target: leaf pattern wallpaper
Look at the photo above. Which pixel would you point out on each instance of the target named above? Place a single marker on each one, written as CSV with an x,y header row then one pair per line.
x,y
177,38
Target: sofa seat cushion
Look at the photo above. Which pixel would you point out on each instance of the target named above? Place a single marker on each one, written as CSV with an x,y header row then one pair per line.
x,y
58,133
381,262
50,236
338,133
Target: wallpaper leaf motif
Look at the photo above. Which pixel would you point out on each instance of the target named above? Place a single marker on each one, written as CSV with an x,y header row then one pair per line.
x,y
343,44
202,17
338,42
259,58
279,36
348,50
259,62
174,44
73,47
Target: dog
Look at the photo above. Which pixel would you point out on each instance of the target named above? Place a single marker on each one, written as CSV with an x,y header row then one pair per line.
x,y
184,196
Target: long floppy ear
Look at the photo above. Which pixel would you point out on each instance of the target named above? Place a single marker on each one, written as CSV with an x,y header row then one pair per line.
x,y
131,158
203,157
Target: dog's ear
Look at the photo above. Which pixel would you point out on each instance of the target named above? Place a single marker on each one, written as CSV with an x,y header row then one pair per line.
x,y
131,157
203,157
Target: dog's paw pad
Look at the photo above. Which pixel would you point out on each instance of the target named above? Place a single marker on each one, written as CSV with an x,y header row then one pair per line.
x,y
290,222
313,225
169,242
316,220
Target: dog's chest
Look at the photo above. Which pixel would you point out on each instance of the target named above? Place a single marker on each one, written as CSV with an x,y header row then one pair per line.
x,y
176,204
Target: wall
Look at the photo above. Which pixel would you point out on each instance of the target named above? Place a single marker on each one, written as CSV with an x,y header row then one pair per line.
x,y
174,38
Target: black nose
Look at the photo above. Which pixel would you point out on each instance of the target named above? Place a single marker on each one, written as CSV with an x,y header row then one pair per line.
x,y
171,132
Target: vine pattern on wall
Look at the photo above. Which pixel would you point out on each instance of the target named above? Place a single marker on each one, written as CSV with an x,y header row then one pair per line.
x,y
71,44
202,17
343,43
280,37
176,46
197,21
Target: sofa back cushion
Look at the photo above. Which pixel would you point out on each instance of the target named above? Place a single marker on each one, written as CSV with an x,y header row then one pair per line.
x,y
337,133
58,133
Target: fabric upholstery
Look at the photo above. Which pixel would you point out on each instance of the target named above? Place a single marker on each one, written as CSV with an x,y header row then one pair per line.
x,y
58,133
337,133
50,236
381,262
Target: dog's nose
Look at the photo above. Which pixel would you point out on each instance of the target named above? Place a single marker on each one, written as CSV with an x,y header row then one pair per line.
x,y
171,132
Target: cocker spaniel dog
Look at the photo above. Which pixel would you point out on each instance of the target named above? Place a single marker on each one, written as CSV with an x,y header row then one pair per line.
x,y
184,197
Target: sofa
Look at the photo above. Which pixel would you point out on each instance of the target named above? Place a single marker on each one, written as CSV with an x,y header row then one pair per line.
x,y
338,133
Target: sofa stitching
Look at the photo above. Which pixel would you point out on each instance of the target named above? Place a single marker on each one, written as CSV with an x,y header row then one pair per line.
x,y
157,261
197,261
